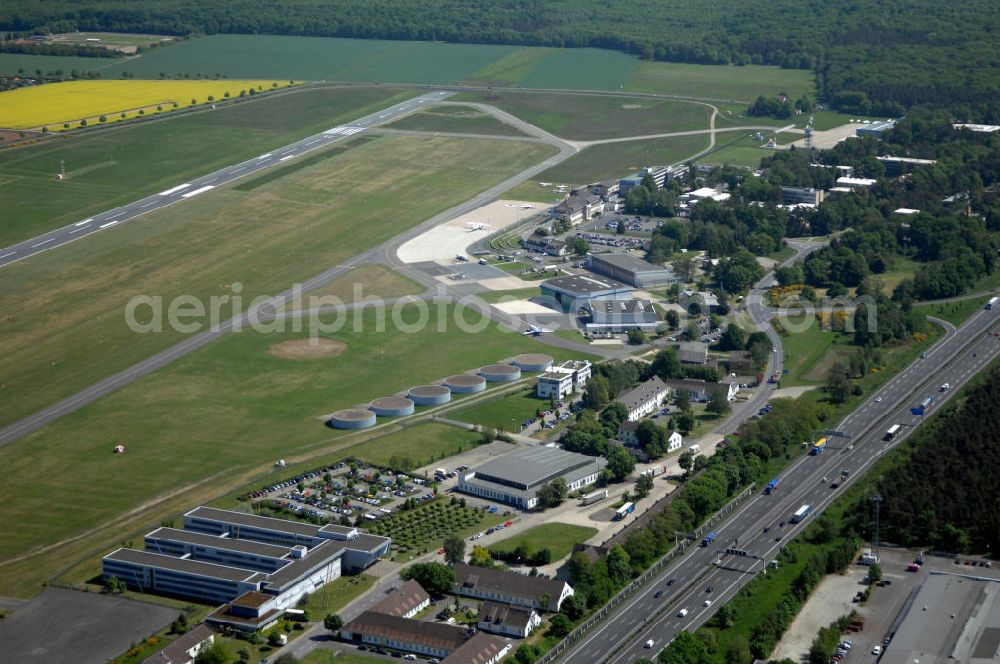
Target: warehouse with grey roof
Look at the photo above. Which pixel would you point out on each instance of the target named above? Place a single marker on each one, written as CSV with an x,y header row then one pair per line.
x,y
631,270
515,478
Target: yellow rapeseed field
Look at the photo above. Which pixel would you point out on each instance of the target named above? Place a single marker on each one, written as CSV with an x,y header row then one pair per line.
x,y
56,105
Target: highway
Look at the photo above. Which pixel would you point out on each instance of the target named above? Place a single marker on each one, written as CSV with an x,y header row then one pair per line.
x,y
621,638
223,176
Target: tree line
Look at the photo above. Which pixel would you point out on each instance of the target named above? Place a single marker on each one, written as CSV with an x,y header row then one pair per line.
x,y
868,56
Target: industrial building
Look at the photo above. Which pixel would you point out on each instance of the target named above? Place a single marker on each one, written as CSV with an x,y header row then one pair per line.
x,y
631,270
801,195
515,477
558,382
578,206
507,620
703,300
644,399
616,316
952,618
573,292
875,128
856,183
496,585
896,166
221,555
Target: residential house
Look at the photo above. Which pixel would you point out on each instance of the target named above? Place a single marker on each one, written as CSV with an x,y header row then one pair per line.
x,y
186,648
496,585
645,398
507,620
406,601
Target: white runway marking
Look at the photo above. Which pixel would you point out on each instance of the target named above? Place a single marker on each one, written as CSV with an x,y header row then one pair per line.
x,y
174,190
146,205
264,156
8,254
200,190
85,221
110,223
286,157
42,242
77,230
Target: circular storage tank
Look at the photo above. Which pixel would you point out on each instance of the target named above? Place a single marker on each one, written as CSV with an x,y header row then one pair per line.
x,y
392,406
533,362
465,383
500,373
430,395
352,418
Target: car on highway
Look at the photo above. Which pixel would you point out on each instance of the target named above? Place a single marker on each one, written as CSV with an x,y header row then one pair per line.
x,y
878,399
659,594
649,643
682,613
670,582
877,650
708,602
709,589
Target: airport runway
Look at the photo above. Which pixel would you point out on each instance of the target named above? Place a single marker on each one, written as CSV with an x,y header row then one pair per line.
x,y
623,637
196,187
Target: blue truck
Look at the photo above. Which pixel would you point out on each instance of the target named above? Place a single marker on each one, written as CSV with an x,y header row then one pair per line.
x,y
772,486
709,538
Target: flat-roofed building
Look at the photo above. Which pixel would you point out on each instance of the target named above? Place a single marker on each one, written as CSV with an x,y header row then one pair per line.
x,y
554,385
514,478
895,166
223,555
578,206
952,618
622,315
507,620
644,399
856,183
875,128
693,352
504,587
572,292
631,270
798,195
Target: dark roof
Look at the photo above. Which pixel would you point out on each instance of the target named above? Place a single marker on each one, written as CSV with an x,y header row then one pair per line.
x,y
643,393
254,521
184,565
584,284
480,649
176,652
505,614
518,585
430,634
591,551
693,385
217,542
403,600
626,262
693,351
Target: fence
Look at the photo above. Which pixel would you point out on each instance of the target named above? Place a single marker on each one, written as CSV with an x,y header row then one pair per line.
x,y
641,580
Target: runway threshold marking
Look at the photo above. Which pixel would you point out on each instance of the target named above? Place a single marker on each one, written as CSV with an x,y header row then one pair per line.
x,y
174,190
200,190
42,242
110,223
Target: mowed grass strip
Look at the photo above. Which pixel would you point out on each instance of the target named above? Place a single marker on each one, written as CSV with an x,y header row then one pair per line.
x,y
206,425
592,117
615,160
558,538
64,326
273,174
511,68
505,413
121,164
455,119
720,82
54,104
361,282
415,446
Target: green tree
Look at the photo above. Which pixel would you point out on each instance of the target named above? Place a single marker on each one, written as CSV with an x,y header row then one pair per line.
x,y
553,494
333,622
637,337
733,338
619,565
643,486
667,364
691,331
837,384
614,415
559,626
685,421
673,319
578,246
718,402
213,654
875,572
620,463
686,460
686,648
287,658
480,557
435,578
454,549
114,585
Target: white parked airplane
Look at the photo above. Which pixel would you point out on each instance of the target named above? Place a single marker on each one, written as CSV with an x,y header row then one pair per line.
x,y
544,184
527,206
534,330
476,226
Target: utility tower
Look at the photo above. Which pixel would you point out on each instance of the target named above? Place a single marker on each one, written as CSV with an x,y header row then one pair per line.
x,y
877,501
809,134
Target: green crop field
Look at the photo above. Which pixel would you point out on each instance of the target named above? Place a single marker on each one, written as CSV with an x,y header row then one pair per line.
x,y
614,160
455,119
202,427
510,69
590,117
316,58
415,446
118,165
721,82
582,69
18,63
558,538
64,325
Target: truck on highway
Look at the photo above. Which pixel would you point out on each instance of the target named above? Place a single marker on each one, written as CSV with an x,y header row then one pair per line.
x,y
624,511
708,539
818,447
772,486
593,497
993,302
891,433
926,403
801,513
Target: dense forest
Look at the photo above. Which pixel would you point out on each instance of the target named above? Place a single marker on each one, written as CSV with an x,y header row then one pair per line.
x,y
870,56
945,495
